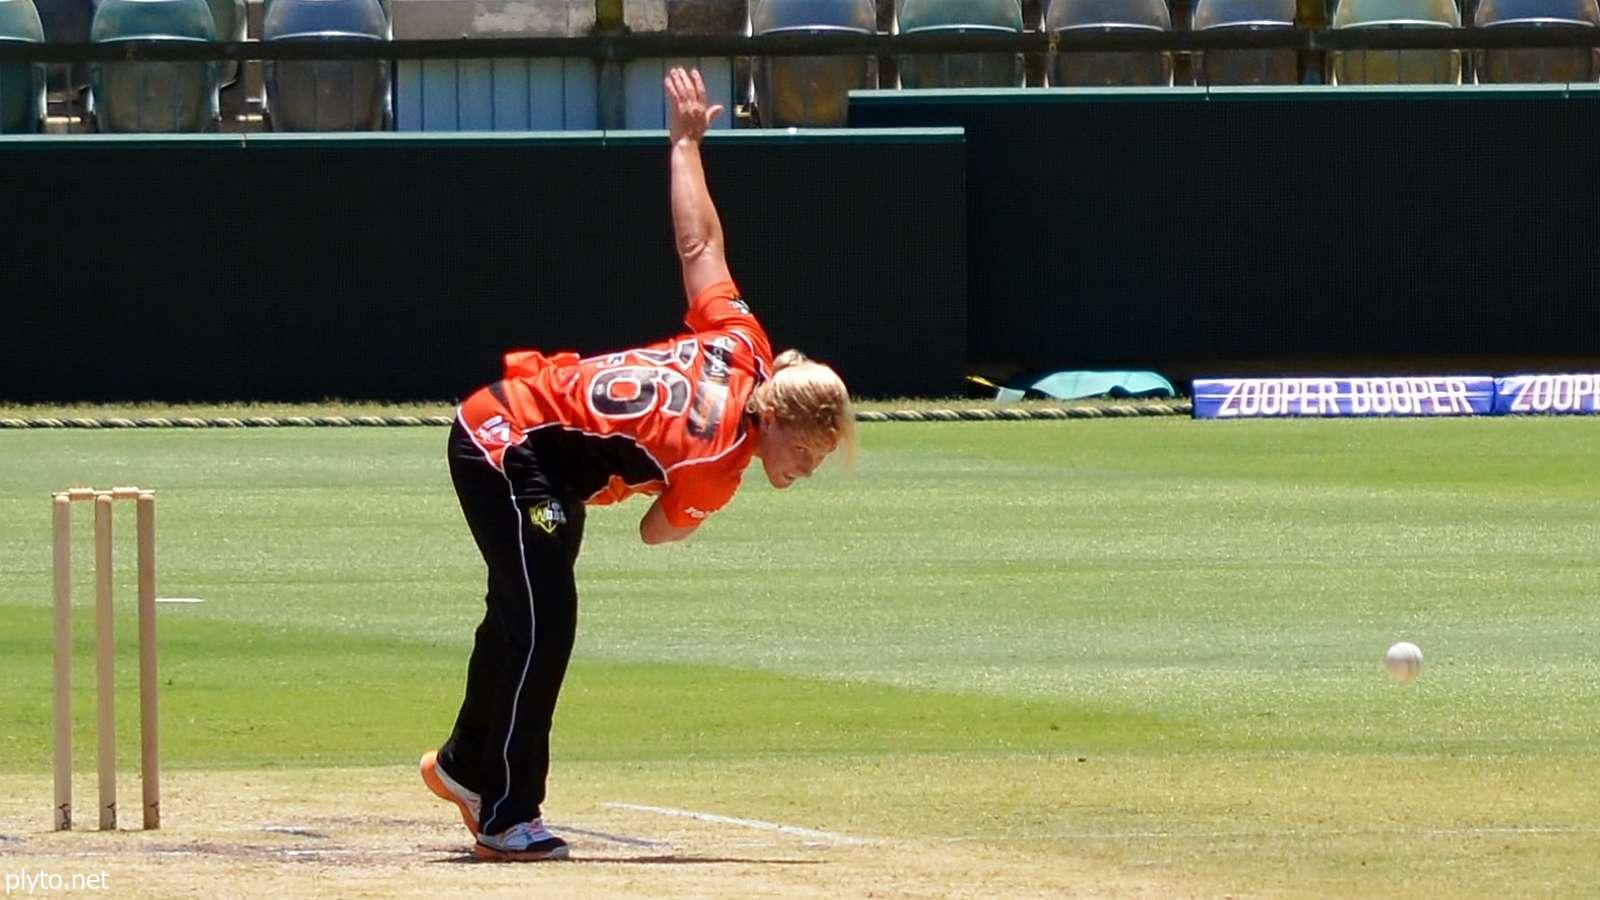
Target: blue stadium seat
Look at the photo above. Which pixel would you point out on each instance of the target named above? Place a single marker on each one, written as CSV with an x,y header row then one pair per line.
x,y
1077,69
1529,65
326,95
953,70
66,22
22,85
806,90
1396,66
1246,66
153,96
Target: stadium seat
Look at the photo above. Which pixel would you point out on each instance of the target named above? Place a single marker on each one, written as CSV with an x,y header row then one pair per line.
x,y
811,90
66,22
153,96
1396,66
1080,69
1529,65
1246,66
326,95
22,85
953,70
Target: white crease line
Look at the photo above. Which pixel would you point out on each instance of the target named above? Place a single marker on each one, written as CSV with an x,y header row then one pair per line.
x,y
757,824
1303,833
293,831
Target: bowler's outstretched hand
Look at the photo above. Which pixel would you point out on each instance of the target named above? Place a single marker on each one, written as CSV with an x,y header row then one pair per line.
x,y
689,112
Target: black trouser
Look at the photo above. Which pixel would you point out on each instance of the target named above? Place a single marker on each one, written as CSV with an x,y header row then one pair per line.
x,y
528,531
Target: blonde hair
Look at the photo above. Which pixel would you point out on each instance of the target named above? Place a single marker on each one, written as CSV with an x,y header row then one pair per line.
x,y
810,399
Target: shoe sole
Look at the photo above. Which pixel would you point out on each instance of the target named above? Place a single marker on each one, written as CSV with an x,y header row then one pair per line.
x,y
429,767
490,854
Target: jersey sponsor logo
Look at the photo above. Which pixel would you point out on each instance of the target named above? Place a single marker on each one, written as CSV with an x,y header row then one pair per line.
x,y
724,343
711,394
496,430
547,515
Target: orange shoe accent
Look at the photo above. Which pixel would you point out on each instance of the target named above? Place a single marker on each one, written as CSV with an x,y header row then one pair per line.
x,y
490,854
429,767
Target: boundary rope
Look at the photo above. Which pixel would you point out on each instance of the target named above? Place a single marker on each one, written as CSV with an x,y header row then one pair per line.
x,y
997,414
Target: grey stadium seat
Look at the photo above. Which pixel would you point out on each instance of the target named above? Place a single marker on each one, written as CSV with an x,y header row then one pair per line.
x,y
1531,65
153,96
811,90
22,85
953,70
1246,66
1096,69
1396,66
326,95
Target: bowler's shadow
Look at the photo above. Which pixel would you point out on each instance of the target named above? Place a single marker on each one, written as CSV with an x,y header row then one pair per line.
x,y
660,860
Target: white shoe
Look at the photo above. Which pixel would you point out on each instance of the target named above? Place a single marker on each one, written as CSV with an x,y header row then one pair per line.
x,y
527,842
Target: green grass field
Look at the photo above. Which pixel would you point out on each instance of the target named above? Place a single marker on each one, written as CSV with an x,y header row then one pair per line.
x,y
1151,647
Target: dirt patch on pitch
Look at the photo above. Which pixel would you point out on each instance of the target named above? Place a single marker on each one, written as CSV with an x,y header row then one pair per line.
x,y
376,833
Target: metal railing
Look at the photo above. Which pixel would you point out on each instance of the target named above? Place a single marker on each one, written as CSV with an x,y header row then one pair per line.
x,y
624,47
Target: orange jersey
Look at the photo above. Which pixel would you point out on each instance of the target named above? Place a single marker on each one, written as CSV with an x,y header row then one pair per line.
x,y
664,419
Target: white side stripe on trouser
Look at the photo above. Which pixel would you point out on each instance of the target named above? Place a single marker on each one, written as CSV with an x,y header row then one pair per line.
x,y
527,584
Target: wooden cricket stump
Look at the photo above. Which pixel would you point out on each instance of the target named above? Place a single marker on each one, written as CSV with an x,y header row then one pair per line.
x,y
105,652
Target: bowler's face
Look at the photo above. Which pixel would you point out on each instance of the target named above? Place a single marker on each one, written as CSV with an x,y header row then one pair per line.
x,y
786,457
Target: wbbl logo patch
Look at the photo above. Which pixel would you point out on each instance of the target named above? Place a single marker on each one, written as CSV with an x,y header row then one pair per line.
x,y
547,515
